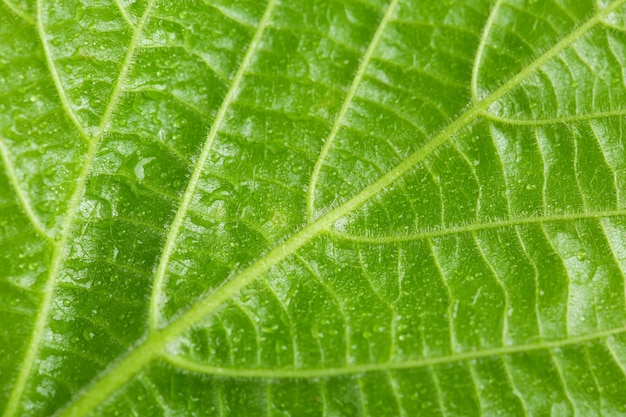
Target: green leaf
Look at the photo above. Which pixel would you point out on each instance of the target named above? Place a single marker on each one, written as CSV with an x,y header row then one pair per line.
x,y
303,208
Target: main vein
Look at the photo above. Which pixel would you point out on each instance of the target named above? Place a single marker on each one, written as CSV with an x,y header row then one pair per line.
x,y
150,348
59,253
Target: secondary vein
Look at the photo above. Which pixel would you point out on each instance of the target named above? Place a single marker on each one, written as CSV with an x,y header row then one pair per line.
x,y
23,199
481,47
391,366
471,228
338,123
65,102
177,224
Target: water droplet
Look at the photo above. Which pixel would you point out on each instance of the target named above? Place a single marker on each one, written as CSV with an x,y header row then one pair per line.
x,y
139,168
269,329
87,335
95,102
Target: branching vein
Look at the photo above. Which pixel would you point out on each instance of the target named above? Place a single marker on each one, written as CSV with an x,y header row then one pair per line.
x,y
179,219
22,197
65,102
328,143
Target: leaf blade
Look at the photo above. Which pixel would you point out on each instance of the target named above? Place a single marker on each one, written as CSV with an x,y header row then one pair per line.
x,y
394,294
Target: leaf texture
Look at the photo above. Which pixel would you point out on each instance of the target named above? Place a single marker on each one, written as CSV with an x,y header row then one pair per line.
x,y
303,208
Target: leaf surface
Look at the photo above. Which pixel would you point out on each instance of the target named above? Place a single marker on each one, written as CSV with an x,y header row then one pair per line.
x,y
374,207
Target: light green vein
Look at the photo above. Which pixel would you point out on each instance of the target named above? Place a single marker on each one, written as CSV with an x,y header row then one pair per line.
x,y
23,199
615,356
471,372
470,228
151,347
338,123
124,14
179,219
397,396
59,254
510,381
614,27
19,12
594,374
440,400
563,384
194,366
481,47
556,120
65,102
